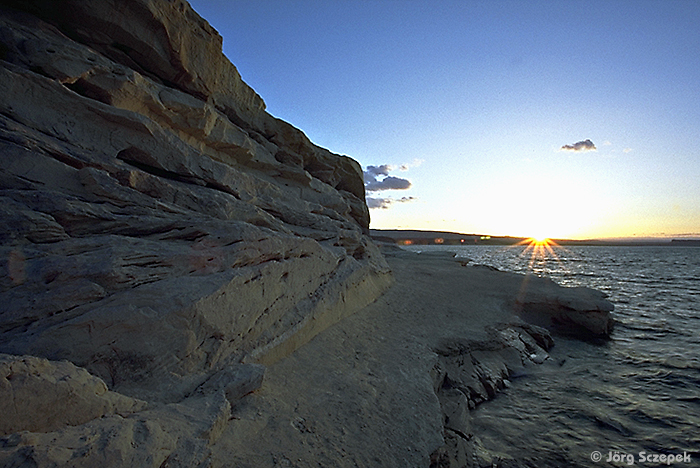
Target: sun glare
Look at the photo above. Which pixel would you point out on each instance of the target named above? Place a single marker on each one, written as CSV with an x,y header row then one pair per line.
x,y
540,249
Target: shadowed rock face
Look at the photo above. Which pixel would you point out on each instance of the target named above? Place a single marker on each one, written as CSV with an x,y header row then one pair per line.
x,y
159,225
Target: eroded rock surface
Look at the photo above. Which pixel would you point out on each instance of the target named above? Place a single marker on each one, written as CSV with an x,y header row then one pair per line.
x,y
161,233
469,372
173,435
41,396
158,223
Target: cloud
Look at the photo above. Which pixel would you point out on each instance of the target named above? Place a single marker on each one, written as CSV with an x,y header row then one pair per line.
x,y
374,171
627,150
386,202
416,162
377,178
585,145
387,183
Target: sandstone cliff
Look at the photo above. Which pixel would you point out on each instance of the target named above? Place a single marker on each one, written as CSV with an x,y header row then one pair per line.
x,y
158,226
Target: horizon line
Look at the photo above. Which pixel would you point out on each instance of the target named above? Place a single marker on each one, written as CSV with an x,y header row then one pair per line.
x,y
649,238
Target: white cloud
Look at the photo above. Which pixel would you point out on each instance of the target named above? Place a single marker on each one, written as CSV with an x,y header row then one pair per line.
x,y
416,162
627,150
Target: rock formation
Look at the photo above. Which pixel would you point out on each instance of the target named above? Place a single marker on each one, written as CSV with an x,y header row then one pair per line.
x,y
396,383
469,372
159,228
42,396
158,222
579,311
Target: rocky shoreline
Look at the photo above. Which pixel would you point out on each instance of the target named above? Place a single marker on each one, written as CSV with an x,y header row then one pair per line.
x,y
191,282
391,385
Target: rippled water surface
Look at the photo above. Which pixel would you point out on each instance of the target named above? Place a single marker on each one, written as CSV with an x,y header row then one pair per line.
x,y
638,392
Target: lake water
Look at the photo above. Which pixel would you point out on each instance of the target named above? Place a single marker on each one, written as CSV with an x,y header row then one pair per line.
x,y
635,395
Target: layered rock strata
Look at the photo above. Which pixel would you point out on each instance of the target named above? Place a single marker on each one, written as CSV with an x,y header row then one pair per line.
x,y
159,228
158,224
393,385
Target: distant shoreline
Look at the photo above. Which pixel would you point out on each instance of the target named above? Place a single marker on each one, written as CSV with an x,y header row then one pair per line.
x,y
418,237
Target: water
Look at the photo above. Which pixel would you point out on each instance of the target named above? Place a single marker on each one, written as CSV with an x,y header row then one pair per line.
x,y
638,392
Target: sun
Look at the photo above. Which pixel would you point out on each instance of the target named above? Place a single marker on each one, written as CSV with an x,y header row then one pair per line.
x,y
538,240
540,249
539,244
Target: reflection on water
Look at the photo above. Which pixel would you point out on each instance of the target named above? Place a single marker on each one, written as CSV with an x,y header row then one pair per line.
x,y
638,392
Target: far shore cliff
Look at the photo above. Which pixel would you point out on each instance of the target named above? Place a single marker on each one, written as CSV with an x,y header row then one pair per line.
x,y
190,282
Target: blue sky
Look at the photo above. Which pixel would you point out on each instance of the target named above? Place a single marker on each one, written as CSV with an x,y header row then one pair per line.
x,y
472,101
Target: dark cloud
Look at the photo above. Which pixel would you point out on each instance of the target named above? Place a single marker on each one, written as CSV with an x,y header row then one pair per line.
x,y
387,183
373,202
585,145
374,171
384,203
377,178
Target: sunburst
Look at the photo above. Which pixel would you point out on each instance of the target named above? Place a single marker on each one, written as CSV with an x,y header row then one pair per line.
x,y
539,249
